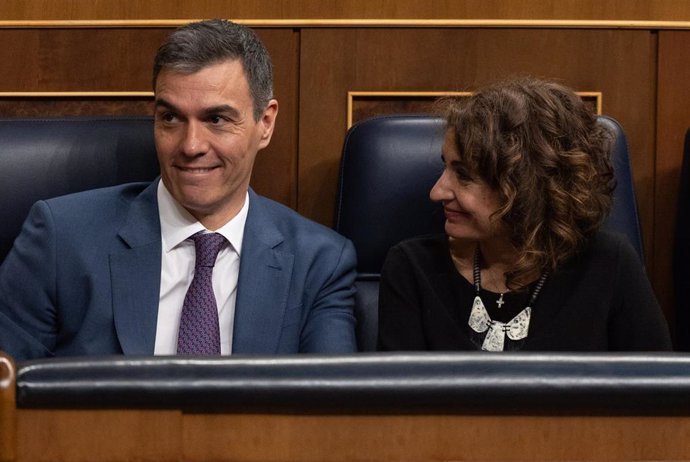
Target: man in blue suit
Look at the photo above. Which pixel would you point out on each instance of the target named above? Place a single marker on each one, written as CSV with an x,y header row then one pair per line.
x,y
109,271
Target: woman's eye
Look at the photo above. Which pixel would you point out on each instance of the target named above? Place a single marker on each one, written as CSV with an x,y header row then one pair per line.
x,y
463,175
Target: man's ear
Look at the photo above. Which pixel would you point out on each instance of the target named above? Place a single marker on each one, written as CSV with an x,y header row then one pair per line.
x,y
267,123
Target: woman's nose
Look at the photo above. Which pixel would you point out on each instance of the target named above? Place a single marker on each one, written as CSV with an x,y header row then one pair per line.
x,y
441,191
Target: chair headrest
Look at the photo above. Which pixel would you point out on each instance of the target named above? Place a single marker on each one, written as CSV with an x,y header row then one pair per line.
x,y
48,157
388,167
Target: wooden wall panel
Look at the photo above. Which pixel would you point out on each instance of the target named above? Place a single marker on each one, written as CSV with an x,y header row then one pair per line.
x,y
78,59
673,119
170,435
96,436
53,106
120,60
668,10
275,169
620,64
346,438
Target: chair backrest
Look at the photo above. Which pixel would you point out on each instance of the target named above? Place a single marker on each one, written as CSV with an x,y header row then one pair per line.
x,y
681,254
48,157
388,167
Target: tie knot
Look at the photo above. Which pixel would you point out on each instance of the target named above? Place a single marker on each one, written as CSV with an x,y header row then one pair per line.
x,y
207,246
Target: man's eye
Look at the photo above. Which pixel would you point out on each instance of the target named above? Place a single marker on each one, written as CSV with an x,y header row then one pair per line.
x,y
168,117
216,119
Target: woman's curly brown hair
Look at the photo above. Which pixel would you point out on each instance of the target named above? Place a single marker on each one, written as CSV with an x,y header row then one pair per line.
x,y
537,144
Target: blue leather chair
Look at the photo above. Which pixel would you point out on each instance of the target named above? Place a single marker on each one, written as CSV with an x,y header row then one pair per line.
x,y
681,254
388,166
43,158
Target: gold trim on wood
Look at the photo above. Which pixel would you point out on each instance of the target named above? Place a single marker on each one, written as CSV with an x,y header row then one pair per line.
x,y
75,103
401,23
94,23
597,95
352,95
75,94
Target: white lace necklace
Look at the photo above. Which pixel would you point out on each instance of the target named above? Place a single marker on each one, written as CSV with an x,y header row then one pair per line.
x,y
516,329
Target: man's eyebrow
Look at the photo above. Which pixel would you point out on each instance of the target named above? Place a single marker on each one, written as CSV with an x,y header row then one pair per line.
x,y
160,102
223,109
220,109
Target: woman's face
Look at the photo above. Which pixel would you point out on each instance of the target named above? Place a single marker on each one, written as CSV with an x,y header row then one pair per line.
x,y
468,202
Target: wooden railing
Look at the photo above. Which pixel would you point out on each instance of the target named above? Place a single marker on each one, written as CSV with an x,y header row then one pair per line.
x,y
373,407
7,409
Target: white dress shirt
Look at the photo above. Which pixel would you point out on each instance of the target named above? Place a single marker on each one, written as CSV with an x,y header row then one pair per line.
x,y
177,270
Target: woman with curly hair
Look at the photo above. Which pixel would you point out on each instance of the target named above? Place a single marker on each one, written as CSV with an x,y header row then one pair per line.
x,y
523,264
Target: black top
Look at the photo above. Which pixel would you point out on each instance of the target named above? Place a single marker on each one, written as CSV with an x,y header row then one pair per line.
x,y
598,301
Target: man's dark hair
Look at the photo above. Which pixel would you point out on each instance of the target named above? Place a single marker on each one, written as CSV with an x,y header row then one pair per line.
x,y
199,44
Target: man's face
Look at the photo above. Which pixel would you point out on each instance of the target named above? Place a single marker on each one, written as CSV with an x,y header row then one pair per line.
x,y
207,138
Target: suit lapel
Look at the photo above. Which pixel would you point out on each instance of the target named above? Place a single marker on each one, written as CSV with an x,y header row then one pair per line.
x,y
263,285
135,275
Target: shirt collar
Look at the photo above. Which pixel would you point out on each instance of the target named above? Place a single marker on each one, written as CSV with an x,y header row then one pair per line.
x,y
177,224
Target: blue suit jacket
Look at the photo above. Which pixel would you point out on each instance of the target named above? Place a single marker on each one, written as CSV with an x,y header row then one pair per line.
x,y
83,278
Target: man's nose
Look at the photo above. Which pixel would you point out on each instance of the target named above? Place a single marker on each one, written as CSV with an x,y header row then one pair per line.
x,y
195,142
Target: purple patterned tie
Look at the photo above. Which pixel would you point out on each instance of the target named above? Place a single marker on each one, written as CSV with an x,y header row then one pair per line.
x,y
199,332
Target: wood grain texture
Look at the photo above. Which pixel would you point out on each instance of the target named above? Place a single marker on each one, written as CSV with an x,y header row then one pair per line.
x,y
95,436
660,10
61,107
100,436
275,168
79,59
433,438
7,408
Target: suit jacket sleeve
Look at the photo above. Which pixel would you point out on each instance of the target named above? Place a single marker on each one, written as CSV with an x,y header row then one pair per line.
x,y
27,289
330,323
